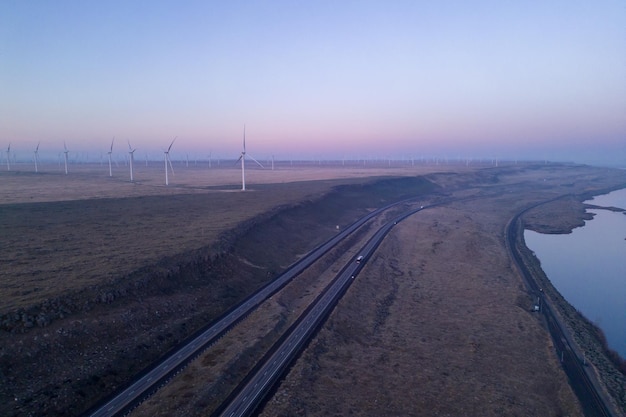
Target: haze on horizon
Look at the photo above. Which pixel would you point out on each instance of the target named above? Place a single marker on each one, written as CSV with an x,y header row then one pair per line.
x,y
517,80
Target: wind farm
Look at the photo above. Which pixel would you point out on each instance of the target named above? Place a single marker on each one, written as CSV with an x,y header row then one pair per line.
x,y
212,171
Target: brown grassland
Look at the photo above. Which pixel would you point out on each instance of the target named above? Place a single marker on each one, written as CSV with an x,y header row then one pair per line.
x,y
100,276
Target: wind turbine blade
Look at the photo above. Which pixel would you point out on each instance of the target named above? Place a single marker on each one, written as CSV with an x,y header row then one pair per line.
x,y
170,161
37,148
251,157
130,148
112,144
244,138
168,149
239,159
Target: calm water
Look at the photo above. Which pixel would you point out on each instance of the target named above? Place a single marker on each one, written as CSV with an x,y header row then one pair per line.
x,y
588,267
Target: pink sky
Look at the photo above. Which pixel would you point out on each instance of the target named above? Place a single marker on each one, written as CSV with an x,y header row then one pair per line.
x,y
328,79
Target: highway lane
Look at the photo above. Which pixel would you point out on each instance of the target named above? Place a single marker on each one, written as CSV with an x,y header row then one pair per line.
x,y
251,392
151,380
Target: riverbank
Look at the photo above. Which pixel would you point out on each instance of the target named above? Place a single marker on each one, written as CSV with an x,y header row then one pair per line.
x,y
561,217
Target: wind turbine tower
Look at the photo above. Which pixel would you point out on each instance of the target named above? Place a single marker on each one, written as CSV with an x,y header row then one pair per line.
x,y
242,158
37,157
131,153
168,161
110,152
65,152
9,157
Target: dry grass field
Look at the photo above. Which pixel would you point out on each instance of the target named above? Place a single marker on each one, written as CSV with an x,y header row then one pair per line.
x,y
100,276
85,228
437,324
419,334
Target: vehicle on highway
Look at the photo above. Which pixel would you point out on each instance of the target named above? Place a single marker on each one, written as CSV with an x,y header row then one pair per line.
x,y
359,259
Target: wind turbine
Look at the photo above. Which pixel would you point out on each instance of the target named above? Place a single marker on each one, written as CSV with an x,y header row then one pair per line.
x,y
37,157
242,158
131,152
110,152
9,157
168,160
65,152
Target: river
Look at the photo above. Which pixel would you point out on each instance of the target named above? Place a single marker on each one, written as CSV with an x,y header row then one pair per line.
x,y
588,266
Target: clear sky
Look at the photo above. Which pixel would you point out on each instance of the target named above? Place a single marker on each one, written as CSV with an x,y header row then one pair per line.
x,y
508,79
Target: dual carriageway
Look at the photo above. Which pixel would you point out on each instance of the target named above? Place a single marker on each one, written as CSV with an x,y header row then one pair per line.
x,y
146,384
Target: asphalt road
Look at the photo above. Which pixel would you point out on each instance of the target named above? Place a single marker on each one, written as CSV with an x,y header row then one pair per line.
x,y
159,374
252,391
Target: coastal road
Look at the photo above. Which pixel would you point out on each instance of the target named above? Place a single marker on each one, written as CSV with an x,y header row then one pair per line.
x,y
155,377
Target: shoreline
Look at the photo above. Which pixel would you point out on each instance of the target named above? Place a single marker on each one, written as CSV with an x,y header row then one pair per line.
x,y
588,337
